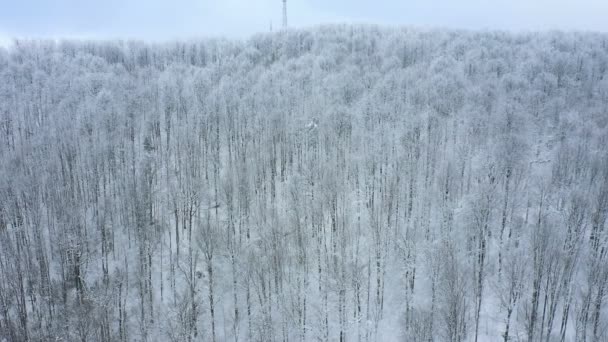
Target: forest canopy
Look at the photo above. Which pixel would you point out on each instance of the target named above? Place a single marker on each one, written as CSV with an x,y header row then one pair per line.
x,y
351,183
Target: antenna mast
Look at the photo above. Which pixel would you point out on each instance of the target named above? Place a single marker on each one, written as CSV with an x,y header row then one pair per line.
x,y
284,13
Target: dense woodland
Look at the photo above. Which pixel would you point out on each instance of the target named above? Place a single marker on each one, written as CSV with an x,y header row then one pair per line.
x,y
341,183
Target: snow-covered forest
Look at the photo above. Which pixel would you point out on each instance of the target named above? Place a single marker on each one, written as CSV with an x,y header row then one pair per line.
x,y
341,183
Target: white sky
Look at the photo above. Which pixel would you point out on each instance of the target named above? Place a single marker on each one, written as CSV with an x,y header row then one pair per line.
x,y
168,19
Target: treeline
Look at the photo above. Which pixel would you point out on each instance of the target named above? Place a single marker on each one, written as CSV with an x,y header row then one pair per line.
x,y
343,183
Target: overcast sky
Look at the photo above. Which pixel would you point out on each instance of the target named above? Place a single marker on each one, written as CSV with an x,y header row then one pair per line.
x,y
168,19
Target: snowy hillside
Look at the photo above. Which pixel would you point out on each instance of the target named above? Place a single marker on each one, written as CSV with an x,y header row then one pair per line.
x,y
342,183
